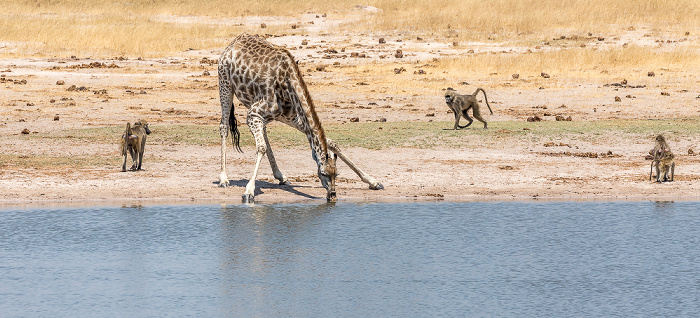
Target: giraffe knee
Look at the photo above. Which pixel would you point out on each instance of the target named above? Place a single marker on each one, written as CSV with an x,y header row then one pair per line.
x,y
223,130
262,148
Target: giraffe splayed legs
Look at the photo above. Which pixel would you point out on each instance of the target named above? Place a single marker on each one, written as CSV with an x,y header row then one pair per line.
x,y
267,81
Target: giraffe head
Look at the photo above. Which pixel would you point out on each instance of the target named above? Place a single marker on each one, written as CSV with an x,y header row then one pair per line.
x,y
327,172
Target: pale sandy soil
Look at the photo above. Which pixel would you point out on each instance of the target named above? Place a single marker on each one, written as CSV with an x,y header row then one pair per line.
x,y
176,90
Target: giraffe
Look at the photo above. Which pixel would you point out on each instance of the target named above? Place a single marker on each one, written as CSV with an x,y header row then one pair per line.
x,y
266,80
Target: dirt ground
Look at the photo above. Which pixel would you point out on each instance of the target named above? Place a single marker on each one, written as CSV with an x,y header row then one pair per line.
x,y
183,89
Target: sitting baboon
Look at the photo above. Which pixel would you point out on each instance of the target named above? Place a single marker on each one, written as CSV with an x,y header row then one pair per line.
x,y
460,104
666,167
662,160
134,143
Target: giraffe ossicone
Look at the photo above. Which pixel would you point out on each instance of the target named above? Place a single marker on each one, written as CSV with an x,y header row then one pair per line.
x,y
266,79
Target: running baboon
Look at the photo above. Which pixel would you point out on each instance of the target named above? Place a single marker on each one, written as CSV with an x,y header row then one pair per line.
x,y
460,104
134,143
662,156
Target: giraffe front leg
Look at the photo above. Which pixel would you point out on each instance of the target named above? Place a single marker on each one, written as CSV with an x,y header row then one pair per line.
x,y
223,177
257,127
373,183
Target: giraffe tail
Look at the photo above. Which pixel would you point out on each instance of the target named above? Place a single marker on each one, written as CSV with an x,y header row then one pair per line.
x,y
235,134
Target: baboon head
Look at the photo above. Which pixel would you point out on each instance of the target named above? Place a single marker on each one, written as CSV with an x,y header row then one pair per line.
x,y
450,96
143,124
660,138
327,173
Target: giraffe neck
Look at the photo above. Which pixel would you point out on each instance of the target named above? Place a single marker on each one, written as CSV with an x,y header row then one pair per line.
x,y
313,130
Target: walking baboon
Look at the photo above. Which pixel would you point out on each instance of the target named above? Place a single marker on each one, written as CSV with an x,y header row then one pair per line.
x,y
460,104
662,160
134,143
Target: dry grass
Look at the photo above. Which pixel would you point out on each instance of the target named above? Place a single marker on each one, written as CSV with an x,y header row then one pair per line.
x,y
476,19
576,62
137,28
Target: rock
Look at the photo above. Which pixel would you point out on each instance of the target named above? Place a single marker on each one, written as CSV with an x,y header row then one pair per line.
x,y
665,94
205,73
455,44
691,152
545,75
382,120
320,68
516,76
25,131
399,70
560,118
618,99
72,88
304,42
534,118
651,74
56,118
398,54
382,41
60,82
263,25
419,72
354,119
430,115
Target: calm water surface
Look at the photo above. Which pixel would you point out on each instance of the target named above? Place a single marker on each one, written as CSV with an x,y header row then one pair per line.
x,y
554,259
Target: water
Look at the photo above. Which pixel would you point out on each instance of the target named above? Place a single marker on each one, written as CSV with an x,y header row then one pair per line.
x,y
553,259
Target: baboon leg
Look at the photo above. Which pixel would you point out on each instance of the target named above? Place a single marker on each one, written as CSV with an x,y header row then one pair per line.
x,y
673,169
273,163
456,119
651,169
373,183
143,144
466,116
477,115
658,173
134,157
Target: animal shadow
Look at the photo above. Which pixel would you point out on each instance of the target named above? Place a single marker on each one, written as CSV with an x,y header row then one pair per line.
x,y
259,185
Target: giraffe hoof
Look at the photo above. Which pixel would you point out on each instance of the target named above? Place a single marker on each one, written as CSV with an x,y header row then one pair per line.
x,y
223,184
376,186
285,182
248,199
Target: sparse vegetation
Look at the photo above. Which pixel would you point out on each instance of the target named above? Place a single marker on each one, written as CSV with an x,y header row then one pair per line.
x,y
159,28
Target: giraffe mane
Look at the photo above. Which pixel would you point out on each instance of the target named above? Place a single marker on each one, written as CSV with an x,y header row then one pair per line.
x,y
310,104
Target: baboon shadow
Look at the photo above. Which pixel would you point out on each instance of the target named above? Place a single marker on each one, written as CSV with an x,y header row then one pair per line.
x,y
259,185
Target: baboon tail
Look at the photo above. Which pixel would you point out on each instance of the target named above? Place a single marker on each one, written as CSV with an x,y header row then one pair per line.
x,y
125,138
485,98
233,127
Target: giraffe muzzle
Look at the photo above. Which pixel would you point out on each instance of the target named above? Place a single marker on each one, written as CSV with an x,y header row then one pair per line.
x,y
331,197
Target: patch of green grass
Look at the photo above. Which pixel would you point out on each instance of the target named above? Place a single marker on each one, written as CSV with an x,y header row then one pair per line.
x,y
47,161
409,134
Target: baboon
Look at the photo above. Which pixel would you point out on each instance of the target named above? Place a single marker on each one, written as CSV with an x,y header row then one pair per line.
x,y
460,104
134,143
662,160
665,167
